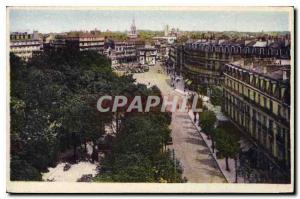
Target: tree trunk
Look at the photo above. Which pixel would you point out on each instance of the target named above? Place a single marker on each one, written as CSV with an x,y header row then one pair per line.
x,y
236,174
74,152
85,148
74,146
195,117
227,166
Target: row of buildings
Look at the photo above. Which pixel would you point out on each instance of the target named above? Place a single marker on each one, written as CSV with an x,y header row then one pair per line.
x,y
124,52
254,76
132,51
26,45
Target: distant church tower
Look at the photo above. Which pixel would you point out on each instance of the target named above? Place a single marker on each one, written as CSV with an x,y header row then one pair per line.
x,y
133,33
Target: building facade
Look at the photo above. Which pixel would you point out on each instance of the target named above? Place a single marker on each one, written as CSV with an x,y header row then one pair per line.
x,y
122,52
258,101
25,45
147,56
204,60
254,76
175,62
85,42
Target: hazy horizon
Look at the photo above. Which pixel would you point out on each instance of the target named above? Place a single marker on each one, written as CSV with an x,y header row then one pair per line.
x,y
46,21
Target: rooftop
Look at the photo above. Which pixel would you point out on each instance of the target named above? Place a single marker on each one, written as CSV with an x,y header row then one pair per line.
x,y
271,68
254,42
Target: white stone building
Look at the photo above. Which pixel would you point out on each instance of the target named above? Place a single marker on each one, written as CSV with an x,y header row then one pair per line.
x,y
25,45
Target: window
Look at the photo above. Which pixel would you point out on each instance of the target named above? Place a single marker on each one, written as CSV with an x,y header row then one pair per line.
x,y
270,51
270,129
253,114
265,102
258,117
271,105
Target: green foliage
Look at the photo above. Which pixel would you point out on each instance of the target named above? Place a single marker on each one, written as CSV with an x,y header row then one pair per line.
x,y
138,155
147,35
202,90
119,36
207,121
182,39
216,96
53,108
23,171
226,144
43,93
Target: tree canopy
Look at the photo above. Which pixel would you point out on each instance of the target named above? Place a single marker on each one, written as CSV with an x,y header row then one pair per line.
x,y
227,145
53,108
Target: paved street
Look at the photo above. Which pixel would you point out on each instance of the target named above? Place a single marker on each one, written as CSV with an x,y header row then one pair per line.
x,y
154,78
190,149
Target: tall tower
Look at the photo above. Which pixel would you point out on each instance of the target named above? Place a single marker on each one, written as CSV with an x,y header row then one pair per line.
x,y
133,28
133,32
166,30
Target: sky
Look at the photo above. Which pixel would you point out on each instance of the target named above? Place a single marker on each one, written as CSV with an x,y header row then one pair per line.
x,y
46,21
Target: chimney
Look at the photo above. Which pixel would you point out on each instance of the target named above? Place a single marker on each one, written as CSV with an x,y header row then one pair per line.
x,y
264,70
35,35
284,75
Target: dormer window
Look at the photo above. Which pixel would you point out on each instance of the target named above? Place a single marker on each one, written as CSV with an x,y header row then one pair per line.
x,y
269,51
226,50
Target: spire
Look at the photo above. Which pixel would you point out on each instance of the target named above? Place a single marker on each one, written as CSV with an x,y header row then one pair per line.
x,y
133,32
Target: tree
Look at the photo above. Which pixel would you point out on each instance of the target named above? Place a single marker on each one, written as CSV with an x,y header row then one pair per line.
x,y
21,170
216,96
182,39
137,154
227,145
207,122
202,90
40,92
53,108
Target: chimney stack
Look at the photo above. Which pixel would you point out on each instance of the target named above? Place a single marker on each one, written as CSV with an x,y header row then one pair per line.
x,y
265,70
284,75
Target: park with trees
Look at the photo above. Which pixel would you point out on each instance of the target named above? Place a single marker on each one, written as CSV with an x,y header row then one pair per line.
x,y
53,100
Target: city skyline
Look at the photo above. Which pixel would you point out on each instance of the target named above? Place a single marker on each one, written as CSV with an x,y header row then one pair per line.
x,y
46,21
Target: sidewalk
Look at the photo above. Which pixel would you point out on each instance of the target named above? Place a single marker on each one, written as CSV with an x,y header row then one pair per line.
x,y
229,175
191,151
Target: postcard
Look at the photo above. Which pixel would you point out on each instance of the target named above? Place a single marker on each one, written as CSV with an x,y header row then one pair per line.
x,y
150,100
